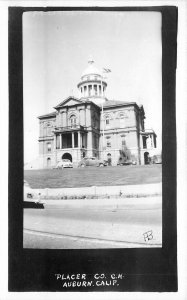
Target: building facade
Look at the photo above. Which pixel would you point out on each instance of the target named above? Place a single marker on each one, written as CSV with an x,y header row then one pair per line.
x,y
93,126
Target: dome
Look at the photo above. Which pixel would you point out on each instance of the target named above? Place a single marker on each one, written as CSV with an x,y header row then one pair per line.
x,y
92,84
91,69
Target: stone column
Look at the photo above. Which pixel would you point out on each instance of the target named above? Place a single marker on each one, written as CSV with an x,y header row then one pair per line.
x,y
79,116
72,137
116,140
55,152
151,141
54,142
80,94
67,124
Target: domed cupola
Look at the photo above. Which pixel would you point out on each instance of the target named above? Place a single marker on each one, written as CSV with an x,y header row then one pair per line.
x,y
92,84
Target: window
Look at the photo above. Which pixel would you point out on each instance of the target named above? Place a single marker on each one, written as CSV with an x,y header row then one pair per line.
x,y
107,121
108,144
85,88
49,131
95,142
154,141
58,141
73,121
99,90
122,123
48,147
123,143
122,120
95,89
89,90
75,139
144,142
94,120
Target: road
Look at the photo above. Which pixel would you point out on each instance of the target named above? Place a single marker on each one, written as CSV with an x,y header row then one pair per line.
x,y
89,224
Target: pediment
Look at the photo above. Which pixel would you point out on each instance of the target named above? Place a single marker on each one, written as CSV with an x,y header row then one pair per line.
x,y
70,101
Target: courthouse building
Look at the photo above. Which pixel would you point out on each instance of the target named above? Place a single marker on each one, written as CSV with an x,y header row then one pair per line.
x,y
93,126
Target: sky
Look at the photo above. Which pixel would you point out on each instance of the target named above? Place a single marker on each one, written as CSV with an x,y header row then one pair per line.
x,y
56,49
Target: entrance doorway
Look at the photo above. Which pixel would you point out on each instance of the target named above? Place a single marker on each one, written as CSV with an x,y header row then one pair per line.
x,y
146,158
48,162
109,159
67,156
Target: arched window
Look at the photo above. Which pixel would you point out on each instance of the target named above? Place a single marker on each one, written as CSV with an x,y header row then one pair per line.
x,y
48,147
122,120
73,121
108,142
107,121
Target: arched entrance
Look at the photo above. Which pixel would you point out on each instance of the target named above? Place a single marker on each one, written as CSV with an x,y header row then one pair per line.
x,y
109,159
48,162
146,158
67,156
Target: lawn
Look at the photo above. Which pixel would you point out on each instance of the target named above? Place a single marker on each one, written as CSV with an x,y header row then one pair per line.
x,y
107,176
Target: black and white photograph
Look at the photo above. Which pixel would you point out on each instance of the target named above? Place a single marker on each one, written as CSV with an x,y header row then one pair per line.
x,y
92,149
92,84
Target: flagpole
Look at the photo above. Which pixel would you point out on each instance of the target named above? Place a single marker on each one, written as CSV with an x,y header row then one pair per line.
x,y
102,94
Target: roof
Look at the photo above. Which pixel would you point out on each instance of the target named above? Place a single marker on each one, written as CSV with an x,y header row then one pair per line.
x,y
66,101
148,131
110,103
50,115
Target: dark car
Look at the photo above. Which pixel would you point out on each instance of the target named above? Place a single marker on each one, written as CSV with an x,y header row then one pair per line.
x,y
157,159
31,199
125,162
64,163
92,161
